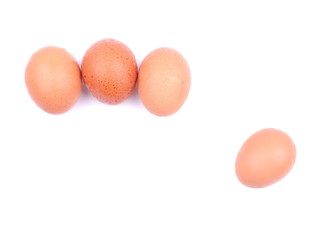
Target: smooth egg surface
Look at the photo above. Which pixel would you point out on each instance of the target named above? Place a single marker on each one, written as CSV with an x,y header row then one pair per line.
x,y
164,81
109,71
265,158
53,79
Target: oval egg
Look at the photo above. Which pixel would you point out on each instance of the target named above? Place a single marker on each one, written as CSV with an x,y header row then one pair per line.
x,y
265,158
164,81
53,79
109,71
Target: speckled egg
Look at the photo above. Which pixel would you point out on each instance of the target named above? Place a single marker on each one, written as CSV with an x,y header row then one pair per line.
x,y
109,71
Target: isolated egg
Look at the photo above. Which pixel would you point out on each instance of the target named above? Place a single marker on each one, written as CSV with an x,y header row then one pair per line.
x,y
109,71
53,79
164,81
265,158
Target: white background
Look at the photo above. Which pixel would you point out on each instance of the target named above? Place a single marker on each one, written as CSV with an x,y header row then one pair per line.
x,y
119,172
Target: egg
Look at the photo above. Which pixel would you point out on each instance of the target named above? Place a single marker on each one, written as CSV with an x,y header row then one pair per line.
x,y
109,71
164,81
265,158
53,79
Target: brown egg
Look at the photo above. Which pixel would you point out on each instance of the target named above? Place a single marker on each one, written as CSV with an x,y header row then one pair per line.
x,y
164,81
265,158
53,79
109,71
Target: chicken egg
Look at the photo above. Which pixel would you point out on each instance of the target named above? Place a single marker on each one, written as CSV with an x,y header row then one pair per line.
x,y
265,158
53,79
164,81
109,71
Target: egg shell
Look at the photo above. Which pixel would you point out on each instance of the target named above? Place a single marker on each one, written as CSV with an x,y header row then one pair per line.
x,y
265,158
164,81
53,79
109,71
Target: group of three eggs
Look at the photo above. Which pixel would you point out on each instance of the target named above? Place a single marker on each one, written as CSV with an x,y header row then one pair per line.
x,y
110,72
